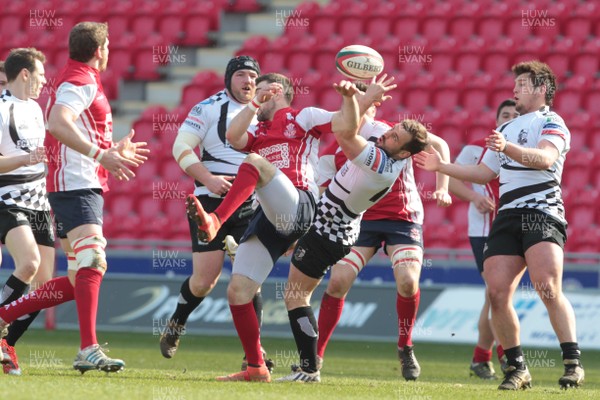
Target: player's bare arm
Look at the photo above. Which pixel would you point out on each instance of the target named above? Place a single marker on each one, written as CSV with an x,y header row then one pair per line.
x,y
441,194
61,124
237,132
542,157
8,164
432,161
188,161
345,122
483,203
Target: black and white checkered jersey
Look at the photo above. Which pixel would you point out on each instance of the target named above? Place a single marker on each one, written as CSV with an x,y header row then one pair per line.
x,y
209,120
358,185
525,187
22,130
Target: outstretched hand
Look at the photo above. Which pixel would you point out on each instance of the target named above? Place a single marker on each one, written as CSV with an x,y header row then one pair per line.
x,y
345,88
376,91
267,93
126,153
428,160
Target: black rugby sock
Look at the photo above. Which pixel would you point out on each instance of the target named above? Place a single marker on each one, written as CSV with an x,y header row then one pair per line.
x,y
186,303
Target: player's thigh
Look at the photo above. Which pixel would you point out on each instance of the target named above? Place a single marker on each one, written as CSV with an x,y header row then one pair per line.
x,y
207,267
344,272
46,269
545,266
502,274
279,200
253,260
21,245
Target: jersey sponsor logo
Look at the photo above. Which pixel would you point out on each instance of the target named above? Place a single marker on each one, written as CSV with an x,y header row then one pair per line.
x,y
278,155
522,139
290,131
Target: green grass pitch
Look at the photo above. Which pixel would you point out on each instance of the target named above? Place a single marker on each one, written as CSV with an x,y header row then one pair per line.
x,y
352,370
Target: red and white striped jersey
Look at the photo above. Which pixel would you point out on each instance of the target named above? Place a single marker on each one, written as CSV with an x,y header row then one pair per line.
x,y
402,203
479,224
79,89
291,143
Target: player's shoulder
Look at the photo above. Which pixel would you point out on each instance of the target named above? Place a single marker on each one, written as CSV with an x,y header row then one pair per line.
x,y
211,104
549,117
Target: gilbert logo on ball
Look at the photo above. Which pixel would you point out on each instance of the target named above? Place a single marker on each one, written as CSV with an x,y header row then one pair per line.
x,y
359,62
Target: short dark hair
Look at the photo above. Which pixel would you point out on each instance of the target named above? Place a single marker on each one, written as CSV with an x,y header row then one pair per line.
x,y
21,58
85,38
505,103
272,77
540,75
2,67
419,136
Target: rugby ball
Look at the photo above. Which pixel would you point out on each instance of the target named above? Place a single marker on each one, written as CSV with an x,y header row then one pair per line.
x,y
359,62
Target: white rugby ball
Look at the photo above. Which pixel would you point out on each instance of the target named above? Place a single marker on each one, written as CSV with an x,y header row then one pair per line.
x,y
359,62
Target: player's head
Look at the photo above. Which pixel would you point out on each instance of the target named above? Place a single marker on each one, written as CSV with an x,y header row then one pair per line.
x,y
280,100
3,80
535,86
371,111
88,41
240,77
24,69
406,138
506,111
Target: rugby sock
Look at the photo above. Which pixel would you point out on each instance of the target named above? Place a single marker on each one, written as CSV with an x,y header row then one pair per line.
x,y
329,316
12,290
258,307
87,290
51,293
186,303
305,330
246,325
406,307
570,351
499,352
481,355
514,357
18,328
243,186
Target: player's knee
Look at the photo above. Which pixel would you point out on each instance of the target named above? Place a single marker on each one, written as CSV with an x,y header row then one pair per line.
x,y
201,286
89,252
29,267
498,296
254,159
339,286
237,293
408,289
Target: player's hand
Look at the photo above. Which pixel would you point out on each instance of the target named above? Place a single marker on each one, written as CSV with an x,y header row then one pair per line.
x,y
376,91
483,204
346,88
496,141
442,197
267,93
135,153
37,155
116,164
219,184
428,160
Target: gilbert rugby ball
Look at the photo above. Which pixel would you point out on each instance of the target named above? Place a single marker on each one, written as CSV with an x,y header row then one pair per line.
x,y
359,62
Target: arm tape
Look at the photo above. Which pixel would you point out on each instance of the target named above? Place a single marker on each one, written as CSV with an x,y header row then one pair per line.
x,y
183,149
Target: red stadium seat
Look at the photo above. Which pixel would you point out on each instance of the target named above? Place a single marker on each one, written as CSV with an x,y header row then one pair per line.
x,y
567,102
196,28
578,29
323,27
586,64
416,100
496,64
462,28
559,63
378,28
441,65
434,29
405,29
467,64
473,99
445,100
142,26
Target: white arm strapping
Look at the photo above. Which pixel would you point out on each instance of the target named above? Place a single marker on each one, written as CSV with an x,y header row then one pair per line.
x,y
183,149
